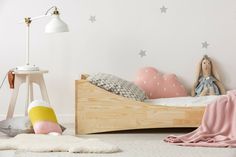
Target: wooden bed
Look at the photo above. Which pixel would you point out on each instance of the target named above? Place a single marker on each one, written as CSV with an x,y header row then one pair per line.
x,y
98,110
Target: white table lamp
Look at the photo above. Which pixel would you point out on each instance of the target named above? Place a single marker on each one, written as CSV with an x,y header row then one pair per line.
x,y
56,25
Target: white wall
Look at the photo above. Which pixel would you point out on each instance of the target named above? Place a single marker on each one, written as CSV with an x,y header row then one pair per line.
x,y
112,43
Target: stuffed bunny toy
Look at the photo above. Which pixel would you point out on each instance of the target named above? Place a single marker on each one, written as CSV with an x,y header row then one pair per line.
x,y
207,80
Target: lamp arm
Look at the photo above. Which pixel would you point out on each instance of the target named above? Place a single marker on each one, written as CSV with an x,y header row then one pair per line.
x,y
34,18
55,12
38,17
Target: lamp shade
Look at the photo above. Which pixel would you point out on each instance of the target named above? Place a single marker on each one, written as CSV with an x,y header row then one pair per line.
x,y
56,25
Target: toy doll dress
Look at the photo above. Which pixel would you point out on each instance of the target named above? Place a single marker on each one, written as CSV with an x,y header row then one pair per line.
x,y
209,82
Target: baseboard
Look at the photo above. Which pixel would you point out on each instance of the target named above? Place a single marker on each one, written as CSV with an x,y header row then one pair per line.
x,y
66,118
62,118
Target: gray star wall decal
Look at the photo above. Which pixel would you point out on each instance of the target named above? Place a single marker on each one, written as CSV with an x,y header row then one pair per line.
x,y
92,19
142,53
205,44
163,9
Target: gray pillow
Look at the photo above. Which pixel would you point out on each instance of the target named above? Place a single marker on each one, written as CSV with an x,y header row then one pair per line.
x,y
117,86
18,125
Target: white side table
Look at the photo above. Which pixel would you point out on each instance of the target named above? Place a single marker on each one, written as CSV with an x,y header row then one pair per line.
x,y
28,77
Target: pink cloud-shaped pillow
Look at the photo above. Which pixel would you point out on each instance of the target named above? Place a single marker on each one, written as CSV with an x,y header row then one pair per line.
x,y
157,85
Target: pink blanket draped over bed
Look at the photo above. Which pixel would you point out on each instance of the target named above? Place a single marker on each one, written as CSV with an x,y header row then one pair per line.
x,y
218,128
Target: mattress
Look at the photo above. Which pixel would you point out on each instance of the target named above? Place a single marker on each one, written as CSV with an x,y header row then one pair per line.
x,y
183,101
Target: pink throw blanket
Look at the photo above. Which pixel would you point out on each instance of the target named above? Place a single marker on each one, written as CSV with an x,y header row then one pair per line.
x,y
218,128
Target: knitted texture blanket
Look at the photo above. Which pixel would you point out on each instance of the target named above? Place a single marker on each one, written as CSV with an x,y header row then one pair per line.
x,y
218,127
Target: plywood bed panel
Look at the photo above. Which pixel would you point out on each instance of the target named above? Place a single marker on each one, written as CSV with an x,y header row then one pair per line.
x,y
98,110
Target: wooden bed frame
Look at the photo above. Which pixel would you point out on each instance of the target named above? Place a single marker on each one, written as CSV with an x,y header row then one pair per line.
x,y
98,110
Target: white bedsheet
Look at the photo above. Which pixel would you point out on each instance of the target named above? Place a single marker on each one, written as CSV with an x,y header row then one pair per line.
x,y
183,101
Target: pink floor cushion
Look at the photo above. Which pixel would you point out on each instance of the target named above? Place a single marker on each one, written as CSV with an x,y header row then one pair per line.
x,y
157,85
45,127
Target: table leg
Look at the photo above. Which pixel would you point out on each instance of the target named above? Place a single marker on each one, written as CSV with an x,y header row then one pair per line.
x,y
27,94
31,92
40,81
11,107
31,97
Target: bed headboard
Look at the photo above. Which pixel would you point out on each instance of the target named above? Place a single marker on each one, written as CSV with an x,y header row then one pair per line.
x,y
84,76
